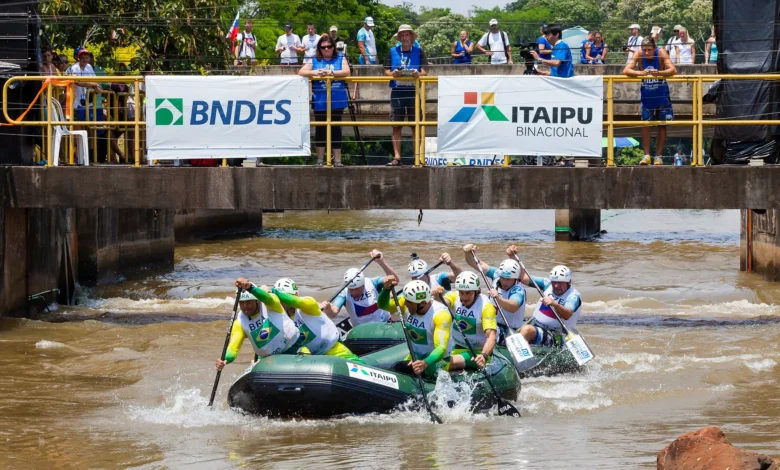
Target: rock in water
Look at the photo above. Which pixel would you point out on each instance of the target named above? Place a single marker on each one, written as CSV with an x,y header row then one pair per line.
x,y
708,449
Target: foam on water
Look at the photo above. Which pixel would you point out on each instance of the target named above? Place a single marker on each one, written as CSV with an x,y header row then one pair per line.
x,y
761,366
646,306
126,305
45,344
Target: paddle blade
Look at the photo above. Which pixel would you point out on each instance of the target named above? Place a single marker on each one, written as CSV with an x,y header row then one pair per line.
x,y
521,353
507,409
577,347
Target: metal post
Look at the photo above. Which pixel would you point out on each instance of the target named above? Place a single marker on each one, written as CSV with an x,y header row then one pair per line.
x,y
93,129
610,126
415,140
72,117
422,126
699,102
328,144
50,142
507,160
137,130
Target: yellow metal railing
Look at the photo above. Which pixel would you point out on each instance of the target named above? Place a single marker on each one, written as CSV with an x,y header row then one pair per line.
x,y
420,123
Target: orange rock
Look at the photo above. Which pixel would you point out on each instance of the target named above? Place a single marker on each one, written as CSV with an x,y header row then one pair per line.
x,y
708,449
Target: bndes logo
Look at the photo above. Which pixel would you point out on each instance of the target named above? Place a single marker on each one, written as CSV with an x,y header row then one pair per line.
x,y
172,112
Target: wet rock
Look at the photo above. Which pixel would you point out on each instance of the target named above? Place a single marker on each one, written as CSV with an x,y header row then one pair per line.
x,y
708,449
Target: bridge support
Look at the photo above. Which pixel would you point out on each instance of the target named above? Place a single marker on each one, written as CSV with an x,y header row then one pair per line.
x,y
191,224
760,243
577,224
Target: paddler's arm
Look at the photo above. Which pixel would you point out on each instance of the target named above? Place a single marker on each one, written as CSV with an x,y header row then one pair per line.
x,y
490,326
442,325
385,301
307,305
268,299
332,309
237,337
568,308
516,298
467,249
454,268
389,271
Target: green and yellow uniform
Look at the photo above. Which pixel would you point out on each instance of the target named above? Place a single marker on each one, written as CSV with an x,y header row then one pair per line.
x,y
475,321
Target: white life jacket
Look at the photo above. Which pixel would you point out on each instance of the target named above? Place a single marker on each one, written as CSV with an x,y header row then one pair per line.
x,y
365,309
470,321
515,318
421,330
319,334
544,316
269,332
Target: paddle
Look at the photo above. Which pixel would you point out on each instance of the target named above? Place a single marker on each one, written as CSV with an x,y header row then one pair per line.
x,y
420,383
518,347
504,407
224,348
430,270
574,342
353,278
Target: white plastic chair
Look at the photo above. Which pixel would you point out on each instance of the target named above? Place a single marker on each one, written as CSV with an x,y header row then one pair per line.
x,y
61,131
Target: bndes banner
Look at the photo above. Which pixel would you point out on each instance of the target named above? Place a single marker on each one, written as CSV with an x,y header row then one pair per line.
x,y
520,115
226,117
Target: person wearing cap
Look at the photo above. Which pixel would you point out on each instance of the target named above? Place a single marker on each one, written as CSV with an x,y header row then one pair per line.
x,y
289,46
310,43
672,42
261,320
406,60
679,157
360,296
245,45
82,69
341,46
544,48
634,43
495,44
367,42
561,64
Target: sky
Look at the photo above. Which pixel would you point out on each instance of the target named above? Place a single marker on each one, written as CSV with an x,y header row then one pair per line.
x,y
457,6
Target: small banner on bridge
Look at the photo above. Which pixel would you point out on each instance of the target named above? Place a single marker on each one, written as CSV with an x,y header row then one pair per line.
x,y
520,115
226,117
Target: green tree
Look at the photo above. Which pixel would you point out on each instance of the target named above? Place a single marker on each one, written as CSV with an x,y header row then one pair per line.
x,y
437,35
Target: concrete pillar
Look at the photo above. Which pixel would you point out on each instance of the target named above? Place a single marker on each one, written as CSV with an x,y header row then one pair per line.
x,y
759,243
113,243
13,260
191,224
577,224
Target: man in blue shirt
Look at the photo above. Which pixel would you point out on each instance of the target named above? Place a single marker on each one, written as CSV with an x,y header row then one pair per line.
x,y
544,46
561,62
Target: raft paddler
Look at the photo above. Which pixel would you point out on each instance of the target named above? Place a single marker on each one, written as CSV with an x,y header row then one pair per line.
x,y
558,293
429,324
507,290
360,296
476,317
318,335
418,269
263,320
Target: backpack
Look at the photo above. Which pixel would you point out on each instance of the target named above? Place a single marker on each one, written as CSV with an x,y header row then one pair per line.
x,y
504,40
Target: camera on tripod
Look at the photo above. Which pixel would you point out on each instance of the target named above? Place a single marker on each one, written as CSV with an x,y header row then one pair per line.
x,y
525,52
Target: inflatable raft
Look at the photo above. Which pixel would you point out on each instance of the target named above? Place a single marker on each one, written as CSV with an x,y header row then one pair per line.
x,y
370,337
286,386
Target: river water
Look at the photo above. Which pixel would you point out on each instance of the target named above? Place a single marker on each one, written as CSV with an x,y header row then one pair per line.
x,y
683,340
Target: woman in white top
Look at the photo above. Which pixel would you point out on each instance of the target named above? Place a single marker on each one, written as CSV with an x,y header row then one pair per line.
x,y
685,48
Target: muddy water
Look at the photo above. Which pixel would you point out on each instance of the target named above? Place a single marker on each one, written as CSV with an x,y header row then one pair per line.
x,y
683,340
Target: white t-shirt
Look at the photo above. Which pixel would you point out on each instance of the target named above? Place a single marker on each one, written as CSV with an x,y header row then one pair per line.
x,y
497,46
80,92
685,51
245,41
310,42
673,41
634,44
289,55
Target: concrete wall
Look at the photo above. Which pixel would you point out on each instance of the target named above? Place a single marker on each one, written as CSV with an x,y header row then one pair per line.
x,y
760,253
577,224
292,187
192,224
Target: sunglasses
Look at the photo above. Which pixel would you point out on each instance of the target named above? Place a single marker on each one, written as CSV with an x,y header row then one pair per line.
x,y
326,47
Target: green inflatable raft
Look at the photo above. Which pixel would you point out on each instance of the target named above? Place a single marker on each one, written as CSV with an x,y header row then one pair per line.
x,y
370,337
286,386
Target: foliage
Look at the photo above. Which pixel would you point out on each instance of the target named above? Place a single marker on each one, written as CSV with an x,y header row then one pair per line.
x,y
628,156
438,35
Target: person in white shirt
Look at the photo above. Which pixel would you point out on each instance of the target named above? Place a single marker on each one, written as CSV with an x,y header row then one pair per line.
x,y
341,47
672,42
82,69
634,43
499,50
245,45
367,42
289,46
685,49
310,42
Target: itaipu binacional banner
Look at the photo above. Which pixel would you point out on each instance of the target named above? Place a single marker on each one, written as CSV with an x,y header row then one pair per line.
x,y
520,115
226,117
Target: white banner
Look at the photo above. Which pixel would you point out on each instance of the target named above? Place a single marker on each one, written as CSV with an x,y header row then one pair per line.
x,y
226,117
520,115
434,158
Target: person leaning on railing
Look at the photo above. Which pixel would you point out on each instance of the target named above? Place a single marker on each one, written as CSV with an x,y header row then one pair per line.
x,y
327,63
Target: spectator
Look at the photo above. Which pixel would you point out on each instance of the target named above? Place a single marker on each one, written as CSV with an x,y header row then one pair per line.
x,y
461,49
47,66
634,43
289,46
711,50
367,42
245,45
679,157
584,46
406,60
657,33
596,52
656,105
63,64
561,62
499,50
82,69
310,43
673,42
543,43
327,62
341,45
685,49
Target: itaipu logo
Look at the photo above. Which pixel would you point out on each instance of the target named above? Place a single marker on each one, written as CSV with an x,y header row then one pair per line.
x,y
356,368
471,99
169,111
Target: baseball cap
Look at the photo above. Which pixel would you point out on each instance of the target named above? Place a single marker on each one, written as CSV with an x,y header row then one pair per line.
x,y
493,22
369,21
82,50
288,26
333,28
678,27
635,26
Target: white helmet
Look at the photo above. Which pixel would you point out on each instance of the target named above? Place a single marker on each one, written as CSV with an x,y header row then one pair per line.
x,y
560,273
246,295
417,267
359,280
417,292
466,281
509,269
286,286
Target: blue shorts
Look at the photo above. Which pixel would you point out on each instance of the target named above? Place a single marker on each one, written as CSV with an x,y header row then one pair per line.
x,y
662,113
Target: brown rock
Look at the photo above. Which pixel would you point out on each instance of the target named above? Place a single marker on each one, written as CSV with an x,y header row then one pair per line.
x,y
708,449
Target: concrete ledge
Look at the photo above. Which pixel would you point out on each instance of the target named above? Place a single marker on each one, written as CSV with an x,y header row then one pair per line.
x,y
291,187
